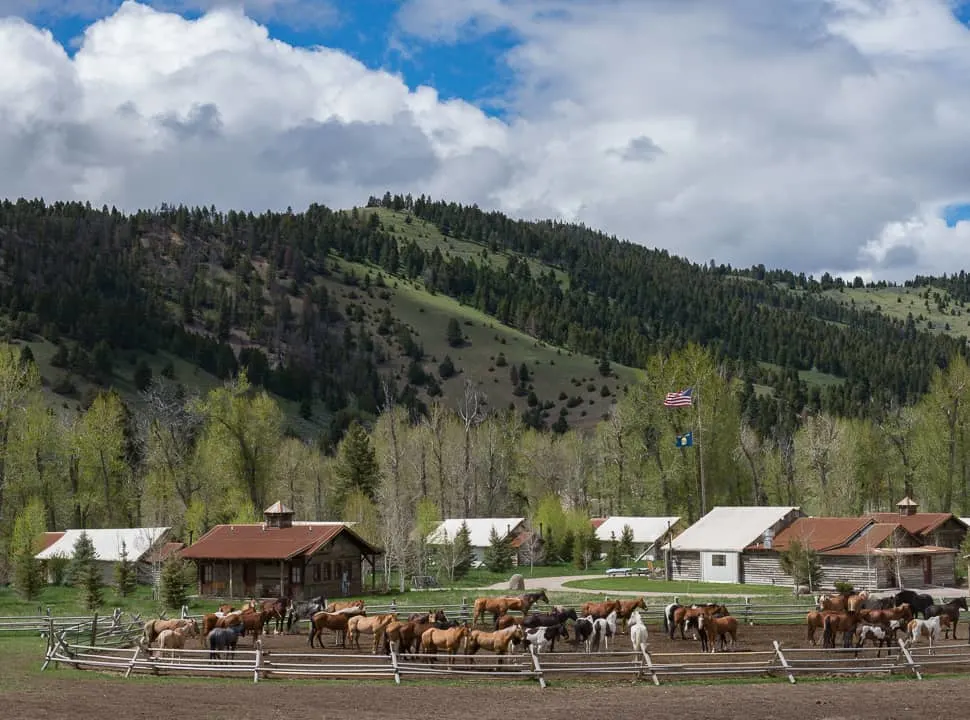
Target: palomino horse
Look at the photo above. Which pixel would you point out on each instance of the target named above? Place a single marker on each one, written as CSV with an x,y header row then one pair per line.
x,y
433,640
930,629
499,606
498,642
174,639
153,628
344,605
374,625
951,610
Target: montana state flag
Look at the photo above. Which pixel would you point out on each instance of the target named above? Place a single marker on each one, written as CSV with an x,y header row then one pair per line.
x,y
685,440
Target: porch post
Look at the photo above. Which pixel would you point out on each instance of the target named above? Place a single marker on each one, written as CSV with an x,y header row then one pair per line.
x,y
373,572
230,580
282,587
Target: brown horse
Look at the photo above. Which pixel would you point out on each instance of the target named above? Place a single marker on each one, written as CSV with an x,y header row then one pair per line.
x,y
844,622
212,620
626,610
451,640
599,609
499,606
276,610
498,642
336,621
154,628
842,602
374,625
689,617
713,628
815,620
253,622
903,613
507,621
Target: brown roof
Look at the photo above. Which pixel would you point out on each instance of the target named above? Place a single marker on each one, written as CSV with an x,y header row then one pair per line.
x,y
869,541
917,523
819,533
522,538
596,522
48,539
259,542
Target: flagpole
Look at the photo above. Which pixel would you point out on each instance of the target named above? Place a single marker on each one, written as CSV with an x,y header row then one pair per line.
x,y
700,450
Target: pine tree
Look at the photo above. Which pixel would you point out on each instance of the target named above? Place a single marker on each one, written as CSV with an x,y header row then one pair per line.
x,y
84,556
802,563
126,579
356,465
585,547
453,334
93,586
175,582
627,550
499,553
614,557
463,551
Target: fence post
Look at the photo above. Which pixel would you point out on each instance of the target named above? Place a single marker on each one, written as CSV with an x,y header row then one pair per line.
x,y
393,606
536,666
649,661
94,629
185,611
134,659
747,611
50,641
259,660
783,661
397,668
909,659
464,610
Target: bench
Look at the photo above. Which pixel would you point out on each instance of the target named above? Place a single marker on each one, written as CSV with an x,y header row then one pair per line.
x,y
625,572
423,582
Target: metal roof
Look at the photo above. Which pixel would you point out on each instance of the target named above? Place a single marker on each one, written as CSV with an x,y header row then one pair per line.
x,y
107,543
917,523
818,533
478,528
730,529
645,529
261,542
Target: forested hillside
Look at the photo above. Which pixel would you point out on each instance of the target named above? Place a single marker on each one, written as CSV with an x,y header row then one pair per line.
x,y
416,359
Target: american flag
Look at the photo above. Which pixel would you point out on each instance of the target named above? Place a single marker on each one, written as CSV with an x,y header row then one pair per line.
x,y
684,398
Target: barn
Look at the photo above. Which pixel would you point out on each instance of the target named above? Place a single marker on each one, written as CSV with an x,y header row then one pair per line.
x,y
862,551
649,534
139,543
281,557
710,550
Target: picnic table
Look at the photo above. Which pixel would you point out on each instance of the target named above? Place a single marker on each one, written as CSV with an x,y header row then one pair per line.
x,y
616,572
423,582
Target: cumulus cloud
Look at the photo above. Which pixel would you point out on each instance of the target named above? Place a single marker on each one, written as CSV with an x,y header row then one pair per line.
x,y
822,136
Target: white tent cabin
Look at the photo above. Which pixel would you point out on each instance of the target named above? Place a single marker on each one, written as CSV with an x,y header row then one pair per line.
x,y
139,544
479,530
649,534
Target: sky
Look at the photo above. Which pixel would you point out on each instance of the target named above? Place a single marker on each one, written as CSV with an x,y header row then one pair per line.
x,y
813,135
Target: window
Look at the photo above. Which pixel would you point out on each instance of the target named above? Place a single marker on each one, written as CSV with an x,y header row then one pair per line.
x,y
316,572
296,575
718,560
207,573
326,570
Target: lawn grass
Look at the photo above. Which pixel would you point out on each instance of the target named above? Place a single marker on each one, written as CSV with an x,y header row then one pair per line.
x,y
642,584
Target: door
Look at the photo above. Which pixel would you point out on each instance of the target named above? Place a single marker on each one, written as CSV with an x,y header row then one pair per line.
x,y
719,567
927,571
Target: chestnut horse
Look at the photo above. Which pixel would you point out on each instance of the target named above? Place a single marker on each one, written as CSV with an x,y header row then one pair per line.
x,y
626,610
850,602
846,623
212,621
499,606
408,635
815,620
336,621
451,640
498,642
712,628
599,609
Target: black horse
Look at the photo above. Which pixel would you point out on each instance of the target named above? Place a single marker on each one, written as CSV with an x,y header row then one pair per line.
x,y
951,610
917,601
883,603
558,616
304,610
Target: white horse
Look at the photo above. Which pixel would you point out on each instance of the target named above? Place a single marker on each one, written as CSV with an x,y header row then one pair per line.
x,y
930,629
638,633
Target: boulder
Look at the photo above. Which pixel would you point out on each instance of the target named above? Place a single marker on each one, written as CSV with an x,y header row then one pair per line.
x,y
516,582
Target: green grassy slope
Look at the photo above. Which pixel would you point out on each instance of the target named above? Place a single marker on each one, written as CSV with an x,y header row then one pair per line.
x,y
933,309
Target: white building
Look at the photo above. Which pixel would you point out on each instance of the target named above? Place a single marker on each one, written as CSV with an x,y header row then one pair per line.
x,y
138,542
479,529
710,549
649,534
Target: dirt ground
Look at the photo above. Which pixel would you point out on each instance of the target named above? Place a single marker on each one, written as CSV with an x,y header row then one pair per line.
x,y
89,694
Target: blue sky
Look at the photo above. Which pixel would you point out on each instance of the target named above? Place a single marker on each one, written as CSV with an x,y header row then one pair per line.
x,y
472,69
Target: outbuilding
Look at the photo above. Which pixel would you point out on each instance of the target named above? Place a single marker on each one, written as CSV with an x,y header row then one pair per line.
x,y
138,543
479,533
649,534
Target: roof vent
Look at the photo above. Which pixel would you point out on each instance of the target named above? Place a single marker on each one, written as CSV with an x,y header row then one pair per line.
x,y
769,538
278,515
907,506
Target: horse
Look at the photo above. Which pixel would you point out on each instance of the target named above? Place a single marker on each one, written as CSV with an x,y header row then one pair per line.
x,y
850,602
451,640
603,630
583,632
507,621
277,610
951,610
500,606
815,620
883,603
638,633
929,629
213,620
174,639
845,623
303,610
344,605
669,623
717,627
903,613
558,616
688,617
917,601
253,621
375,625
627,607
222,640
153,628
336,621
878,635
544,638
599,609
408,635
498,642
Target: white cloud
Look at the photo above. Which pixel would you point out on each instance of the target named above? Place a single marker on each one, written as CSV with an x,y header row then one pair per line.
x,y
800,134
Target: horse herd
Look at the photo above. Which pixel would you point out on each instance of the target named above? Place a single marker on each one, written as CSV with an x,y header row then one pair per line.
x,y
860,617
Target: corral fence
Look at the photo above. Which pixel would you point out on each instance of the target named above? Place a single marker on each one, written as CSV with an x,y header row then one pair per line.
x,y
261,664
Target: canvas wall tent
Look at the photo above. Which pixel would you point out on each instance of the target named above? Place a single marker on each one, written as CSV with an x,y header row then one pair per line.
x,y
648,533
138,543
479,529
710,549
